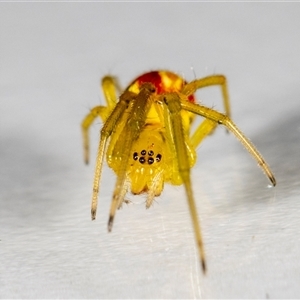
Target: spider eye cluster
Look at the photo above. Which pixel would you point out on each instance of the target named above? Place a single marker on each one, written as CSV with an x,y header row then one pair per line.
x,y
147,157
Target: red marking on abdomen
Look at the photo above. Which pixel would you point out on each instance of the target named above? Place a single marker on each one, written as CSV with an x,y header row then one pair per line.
x,y
154,78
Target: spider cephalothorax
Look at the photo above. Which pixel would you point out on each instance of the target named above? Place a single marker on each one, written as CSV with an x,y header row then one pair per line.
x,y
147,140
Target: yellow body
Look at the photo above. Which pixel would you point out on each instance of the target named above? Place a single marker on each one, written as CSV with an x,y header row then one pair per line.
x,y
147,140
147,173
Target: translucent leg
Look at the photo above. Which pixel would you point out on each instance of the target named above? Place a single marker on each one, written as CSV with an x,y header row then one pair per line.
x,y
172,101
156,184
207,126
110,87
228,123
193,86
130,133
106,132
204,129
98,111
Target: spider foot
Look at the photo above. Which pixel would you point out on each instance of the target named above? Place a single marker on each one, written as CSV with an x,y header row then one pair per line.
x,y
110,223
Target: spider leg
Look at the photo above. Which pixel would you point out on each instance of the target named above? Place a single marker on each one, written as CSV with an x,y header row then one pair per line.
x,y
193,86
110,86
222,119
130,133
157,181
203,130
207,126
106,132
98,111
173,103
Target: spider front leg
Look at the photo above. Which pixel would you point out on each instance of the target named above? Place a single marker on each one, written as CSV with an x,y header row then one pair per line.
x,y
222,119
172,101
109,86
131,132
106,132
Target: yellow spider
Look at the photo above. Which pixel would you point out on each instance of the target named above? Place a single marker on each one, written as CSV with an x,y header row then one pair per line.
x,y
147,141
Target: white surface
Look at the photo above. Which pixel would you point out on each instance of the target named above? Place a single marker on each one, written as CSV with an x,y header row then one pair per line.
x,y
52,58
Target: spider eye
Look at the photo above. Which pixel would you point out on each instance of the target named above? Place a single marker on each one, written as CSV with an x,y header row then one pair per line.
x,y
135,156
150,160
146,157
142,160
150,153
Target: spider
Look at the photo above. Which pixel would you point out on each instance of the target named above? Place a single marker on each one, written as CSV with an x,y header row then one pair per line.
x,y
147,141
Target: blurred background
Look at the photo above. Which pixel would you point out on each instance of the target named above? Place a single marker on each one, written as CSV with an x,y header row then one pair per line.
x,y
52,58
